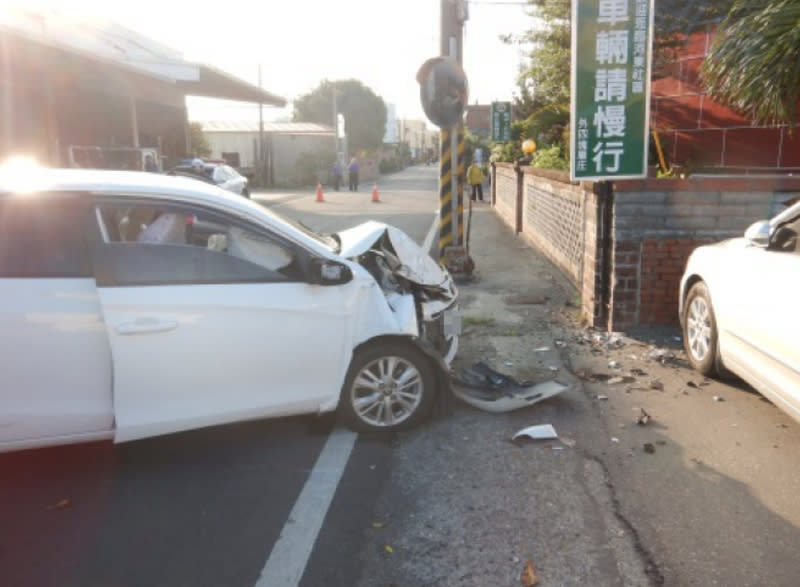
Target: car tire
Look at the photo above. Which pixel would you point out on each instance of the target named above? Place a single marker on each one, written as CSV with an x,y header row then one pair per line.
x,y
390,386
700,335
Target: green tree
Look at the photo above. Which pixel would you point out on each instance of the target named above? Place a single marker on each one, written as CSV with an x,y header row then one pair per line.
x,y
754,62
364,111
198,144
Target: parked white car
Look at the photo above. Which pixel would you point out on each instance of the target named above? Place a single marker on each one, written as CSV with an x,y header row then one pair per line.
x,y
219,174
737,308
134,305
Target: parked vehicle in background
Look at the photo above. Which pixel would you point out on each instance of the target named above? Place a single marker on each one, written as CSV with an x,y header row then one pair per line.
x,y
220,174
112,157
122,321
738,309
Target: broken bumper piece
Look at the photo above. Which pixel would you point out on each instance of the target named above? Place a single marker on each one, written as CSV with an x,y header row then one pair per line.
x,y
484,388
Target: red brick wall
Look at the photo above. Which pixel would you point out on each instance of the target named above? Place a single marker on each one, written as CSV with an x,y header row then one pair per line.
x,y
656,224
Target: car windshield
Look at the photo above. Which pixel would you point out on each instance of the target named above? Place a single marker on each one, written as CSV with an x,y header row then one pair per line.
x,y
329,240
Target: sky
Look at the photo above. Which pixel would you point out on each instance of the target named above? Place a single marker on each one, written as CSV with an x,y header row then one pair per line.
x,y
298,43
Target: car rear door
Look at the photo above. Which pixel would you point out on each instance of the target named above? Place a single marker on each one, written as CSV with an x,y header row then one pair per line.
x,y
221,330
55,360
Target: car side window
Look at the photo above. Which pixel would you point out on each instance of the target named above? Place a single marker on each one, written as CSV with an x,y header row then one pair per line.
x,y
43,237
157,243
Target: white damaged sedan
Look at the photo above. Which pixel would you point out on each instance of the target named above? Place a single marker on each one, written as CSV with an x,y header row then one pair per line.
x,y
134,305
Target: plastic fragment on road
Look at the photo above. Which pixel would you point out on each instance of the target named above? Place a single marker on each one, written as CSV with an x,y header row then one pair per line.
x,y
537,432
528,578
484,388
64,503
643,418
719,398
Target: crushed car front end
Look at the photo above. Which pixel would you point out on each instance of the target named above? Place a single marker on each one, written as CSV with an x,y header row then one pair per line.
x,y
403,271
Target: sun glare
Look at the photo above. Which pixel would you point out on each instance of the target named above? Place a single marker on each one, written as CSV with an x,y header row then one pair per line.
x,y
19,174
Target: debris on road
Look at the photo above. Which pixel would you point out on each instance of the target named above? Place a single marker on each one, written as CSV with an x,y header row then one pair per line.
x,y
691,384
643,418
602,397
663,356
534,300
719,398
529,577
587,375
537,432
613,365
482,387
649,448
60,505
656,384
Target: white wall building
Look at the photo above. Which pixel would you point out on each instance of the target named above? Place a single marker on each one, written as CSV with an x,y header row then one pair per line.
x,y
285,143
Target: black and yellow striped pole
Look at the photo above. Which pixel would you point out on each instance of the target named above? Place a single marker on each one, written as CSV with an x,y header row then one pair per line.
x,y
460,181
445,193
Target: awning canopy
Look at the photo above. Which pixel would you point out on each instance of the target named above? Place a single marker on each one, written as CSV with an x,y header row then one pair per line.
x,y
119,49
213,83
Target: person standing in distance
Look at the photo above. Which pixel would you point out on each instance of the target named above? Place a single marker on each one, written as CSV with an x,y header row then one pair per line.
x,y
353,169
475,179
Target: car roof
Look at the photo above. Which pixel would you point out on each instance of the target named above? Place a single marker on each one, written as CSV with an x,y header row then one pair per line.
x,y
121,183
137,184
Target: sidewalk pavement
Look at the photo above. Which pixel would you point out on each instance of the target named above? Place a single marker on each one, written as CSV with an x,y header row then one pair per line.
x,y
483,506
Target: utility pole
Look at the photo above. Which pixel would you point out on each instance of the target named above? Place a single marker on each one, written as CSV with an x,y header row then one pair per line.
x,y
334,91
260,158
452,169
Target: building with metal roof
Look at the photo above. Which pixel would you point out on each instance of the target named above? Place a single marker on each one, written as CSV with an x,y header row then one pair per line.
x,y
67,81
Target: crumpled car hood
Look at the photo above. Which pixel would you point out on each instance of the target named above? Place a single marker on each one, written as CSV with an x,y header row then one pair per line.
x,y
417,265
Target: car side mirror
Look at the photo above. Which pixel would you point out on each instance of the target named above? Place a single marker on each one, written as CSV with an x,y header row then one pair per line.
x,y
758,233
327,272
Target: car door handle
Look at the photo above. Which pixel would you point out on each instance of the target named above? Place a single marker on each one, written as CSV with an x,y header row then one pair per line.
x,y
146,325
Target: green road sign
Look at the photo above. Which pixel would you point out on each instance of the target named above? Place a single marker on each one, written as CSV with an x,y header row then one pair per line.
x,y
501,121
611,55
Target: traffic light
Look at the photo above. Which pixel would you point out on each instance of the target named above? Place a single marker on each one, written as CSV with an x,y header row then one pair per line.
x,y
443,91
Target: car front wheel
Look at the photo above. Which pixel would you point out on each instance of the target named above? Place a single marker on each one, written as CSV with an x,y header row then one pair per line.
x,y
700,336
389,386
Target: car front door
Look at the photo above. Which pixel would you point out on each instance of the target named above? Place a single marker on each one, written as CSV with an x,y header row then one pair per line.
x,y
761,318
223,329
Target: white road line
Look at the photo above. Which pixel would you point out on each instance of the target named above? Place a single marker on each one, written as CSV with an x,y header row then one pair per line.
x,y
289,556
426,245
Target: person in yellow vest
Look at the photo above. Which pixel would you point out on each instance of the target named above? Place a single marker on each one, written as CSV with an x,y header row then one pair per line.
x,y
475,179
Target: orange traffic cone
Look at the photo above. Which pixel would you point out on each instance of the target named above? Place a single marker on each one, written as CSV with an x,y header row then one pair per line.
x,y
319,193
375,197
